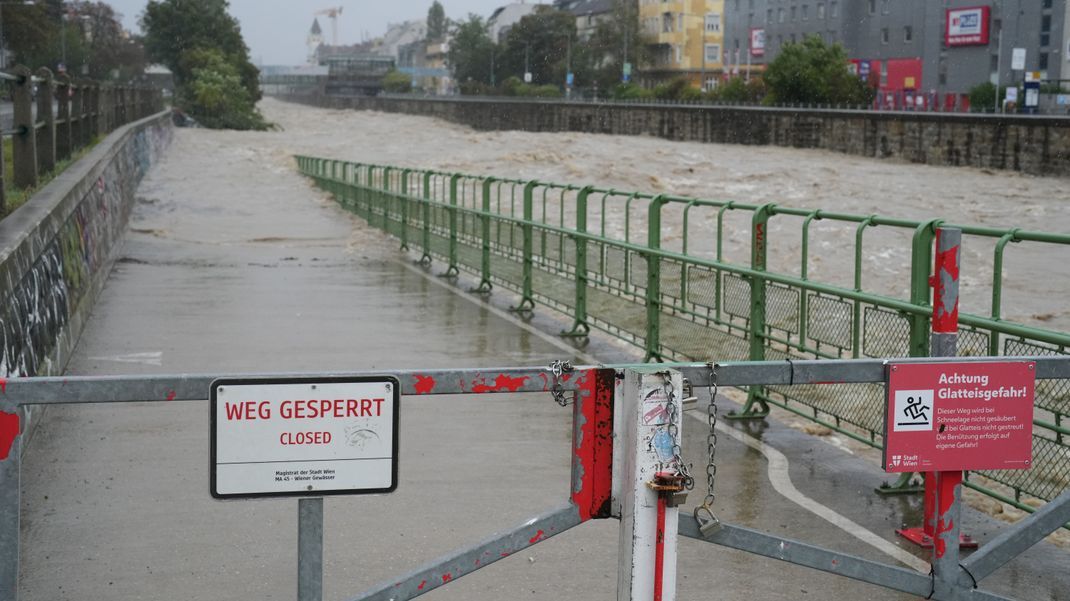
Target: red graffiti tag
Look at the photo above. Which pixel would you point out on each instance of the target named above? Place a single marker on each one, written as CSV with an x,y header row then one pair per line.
x,y
502,382
171,395
538,536
447,577
423,583
424,384
9,429
3,385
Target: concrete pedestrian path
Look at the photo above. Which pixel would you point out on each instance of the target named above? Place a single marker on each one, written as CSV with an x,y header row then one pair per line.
x,y
234,263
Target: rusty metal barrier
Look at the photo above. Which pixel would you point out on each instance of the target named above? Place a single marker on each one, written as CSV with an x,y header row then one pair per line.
x,y
609,469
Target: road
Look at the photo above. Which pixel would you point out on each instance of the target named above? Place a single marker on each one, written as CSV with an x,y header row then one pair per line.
x,y
234,263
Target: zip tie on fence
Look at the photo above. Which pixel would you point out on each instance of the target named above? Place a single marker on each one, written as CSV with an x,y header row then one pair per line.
x,y
791,372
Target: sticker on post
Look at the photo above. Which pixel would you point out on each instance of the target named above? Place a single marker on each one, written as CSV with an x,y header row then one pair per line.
x,y
304,437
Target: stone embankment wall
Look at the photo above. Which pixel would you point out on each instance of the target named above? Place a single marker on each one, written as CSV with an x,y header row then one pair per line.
x,y
1033,145
57,249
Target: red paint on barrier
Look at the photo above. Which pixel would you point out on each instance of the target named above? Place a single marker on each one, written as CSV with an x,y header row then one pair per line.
x,y
946,482
501,383
3,385
421,586
545,382
424,384
659,549
945,321
592,443
447,577
538,536
171,395
9,430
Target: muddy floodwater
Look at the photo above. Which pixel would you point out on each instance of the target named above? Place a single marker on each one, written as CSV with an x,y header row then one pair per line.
x,y
1036,277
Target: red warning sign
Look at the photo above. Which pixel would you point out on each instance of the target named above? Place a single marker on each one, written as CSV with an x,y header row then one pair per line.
x,y
959,416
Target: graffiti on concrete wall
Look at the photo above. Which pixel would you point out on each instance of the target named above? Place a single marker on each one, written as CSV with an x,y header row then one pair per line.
x,y
37,310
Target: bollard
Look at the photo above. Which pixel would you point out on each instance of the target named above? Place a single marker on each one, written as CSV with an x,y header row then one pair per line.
x,y
64,144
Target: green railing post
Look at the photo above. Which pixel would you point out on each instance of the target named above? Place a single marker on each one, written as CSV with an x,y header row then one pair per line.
x,y
653,281
527,300
425,258
484,219
997,287
366,193
756,406
580,327
921,264
403,198
856,319
385,198
452,271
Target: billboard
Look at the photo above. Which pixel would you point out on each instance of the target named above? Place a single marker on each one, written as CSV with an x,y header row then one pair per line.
x,y
967,26
757,42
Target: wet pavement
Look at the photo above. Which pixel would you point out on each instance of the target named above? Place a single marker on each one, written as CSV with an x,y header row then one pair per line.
x,y
236,264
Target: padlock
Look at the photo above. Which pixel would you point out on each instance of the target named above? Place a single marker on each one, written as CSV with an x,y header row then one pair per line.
x,y
708,524
667,482
675,499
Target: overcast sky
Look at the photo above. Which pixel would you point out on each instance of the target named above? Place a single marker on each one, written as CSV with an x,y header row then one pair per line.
x,y
276,30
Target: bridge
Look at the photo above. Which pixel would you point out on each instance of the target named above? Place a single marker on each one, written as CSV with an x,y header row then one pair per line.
x,y
238,257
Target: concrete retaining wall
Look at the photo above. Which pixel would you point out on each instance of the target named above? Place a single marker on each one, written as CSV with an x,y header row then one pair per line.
x,y
57,249
1034,145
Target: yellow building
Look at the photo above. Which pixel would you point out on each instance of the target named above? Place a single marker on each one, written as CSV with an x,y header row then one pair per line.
x,y
686,38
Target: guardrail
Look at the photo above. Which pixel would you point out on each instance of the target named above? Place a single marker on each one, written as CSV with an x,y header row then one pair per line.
x,y
602,483
66,116
626,263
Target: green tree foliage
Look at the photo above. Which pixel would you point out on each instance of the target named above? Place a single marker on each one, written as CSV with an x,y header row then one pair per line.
x,y
202,45
88,33
471,54
544,37
615,41
436,22
814,72
397,82
738,89
983,97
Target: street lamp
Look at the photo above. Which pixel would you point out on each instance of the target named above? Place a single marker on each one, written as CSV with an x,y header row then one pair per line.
x,y
3,51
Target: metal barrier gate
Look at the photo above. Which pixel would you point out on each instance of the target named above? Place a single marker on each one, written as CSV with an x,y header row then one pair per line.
x,y
618,470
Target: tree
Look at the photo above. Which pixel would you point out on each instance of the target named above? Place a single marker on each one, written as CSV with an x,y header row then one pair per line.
x,y
615,41
173,28
814,72
203,47
540,40
983,97
471,52
436,22
105,49
397,82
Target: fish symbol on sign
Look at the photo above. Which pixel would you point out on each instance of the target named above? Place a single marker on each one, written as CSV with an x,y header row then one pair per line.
x,y
359,437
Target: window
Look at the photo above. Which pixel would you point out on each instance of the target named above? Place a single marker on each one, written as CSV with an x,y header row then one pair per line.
x,y
793,14
884,7
713,22
780,15
1042,59
680,22
769,16
679,53
806,12
884,35
713,53
793,38
872,7
666,23
1045,30
908,34
1046,4
820,10
834,9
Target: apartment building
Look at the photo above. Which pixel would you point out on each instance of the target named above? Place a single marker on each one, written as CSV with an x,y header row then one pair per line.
x,y
686,38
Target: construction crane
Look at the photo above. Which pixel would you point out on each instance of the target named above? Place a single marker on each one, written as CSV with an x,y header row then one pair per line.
x,y
332,14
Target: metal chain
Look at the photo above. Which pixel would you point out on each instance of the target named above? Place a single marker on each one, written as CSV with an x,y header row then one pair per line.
x,y
682,469
711,438
557,369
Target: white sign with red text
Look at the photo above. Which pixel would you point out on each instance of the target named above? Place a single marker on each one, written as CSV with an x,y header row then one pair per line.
x,y
304,437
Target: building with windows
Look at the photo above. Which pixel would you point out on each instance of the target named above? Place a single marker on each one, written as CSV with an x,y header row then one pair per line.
x,y
588,13
916,51
505,17
686,39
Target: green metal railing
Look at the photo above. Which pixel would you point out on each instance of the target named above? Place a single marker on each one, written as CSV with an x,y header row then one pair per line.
x,y
622,262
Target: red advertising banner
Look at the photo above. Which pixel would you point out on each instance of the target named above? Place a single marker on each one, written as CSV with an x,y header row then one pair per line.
x,y
967,26
959,416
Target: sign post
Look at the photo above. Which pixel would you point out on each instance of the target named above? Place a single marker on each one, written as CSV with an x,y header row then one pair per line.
x,y
306,438
943,418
